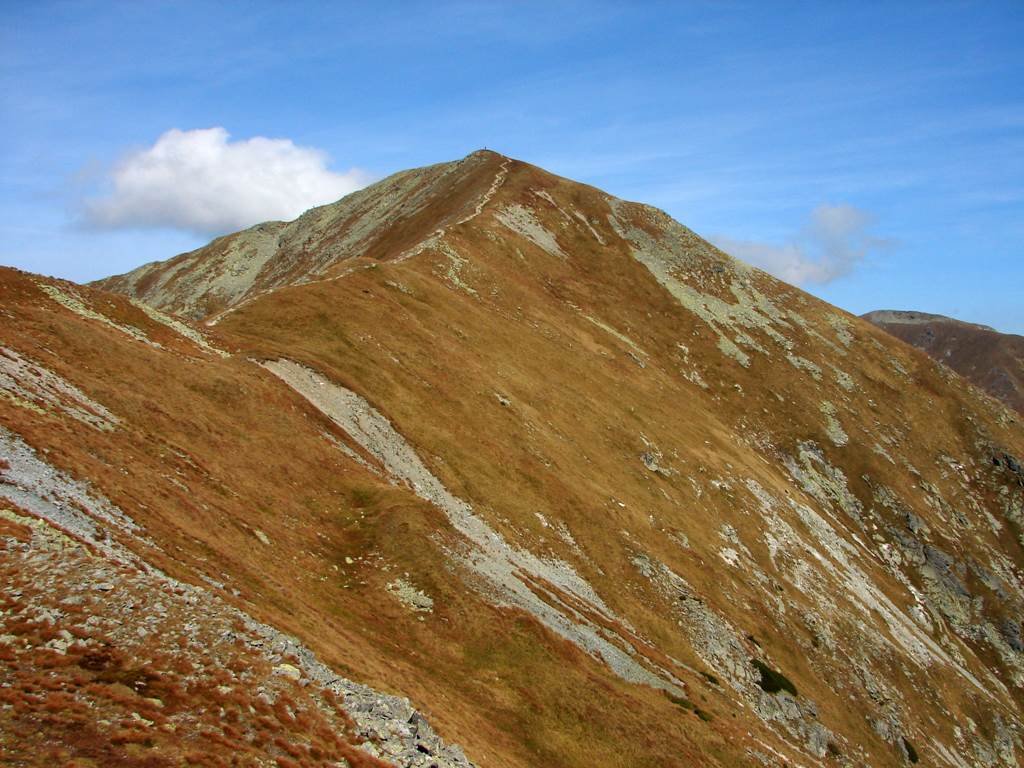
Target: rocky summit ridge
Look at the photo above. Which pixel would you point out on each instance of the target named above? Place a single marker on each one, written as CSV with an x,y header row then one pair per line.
x,y
482,456
384,217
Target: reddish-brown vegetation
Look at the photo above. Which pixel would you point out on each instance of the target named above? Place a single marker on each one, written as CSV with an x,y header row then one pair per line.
x,y
210,451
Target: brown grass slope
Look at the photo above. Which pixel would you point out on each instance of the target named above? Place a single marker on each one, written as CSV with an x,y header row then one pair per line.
x,y
988,359
805,534
90,677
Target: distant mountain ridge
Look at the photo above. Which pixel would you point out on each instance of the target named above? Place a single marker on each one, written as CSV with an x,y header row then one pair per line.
x,y
989,359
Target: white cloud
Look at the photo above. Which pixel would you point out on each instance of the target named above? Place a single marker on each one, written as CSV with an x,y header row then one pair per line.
x,y
834,240
201,181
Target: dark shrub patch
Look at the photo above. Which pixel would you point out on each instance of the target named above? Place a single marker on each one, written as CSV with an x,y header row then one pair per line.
x,y
362,497
679,701
772,681
911,752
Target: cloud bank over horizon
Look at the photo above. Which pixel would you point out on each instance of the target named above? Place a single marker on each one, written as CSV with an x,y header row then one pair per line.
x,y
834,240
202,182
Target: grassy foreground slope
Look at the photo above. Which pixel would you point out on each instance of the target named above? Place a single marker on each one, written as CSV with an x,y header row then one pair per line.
x,y
583,488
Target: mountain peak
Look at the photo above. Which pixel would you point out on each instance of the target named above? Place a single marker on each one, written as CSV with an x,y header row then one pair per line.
x,y
488,153
913,317
376,222
495,440
401,216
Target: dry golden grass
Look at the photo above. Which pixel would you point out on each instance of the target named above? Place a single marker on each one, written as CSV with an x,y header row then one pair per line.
x,y
213,450
120,698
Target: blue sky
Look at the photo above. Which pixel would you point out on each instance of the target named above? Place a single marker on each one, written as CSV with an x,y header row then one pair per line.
x,y
877,147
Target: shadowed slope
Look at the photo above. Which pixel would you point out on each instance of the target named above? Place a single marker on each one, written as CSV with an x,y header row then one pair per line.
x,y
988,359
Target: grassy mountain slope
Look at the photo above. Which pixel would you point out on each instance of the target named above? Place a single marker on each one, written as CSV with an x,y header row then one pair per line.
x,y
581,486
